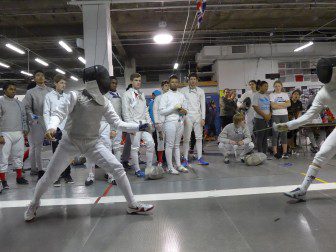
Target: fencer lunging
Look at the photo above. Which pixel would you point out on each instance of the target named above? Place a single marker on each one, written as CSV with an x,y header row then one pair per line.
x,y
235,138
85,110
173,107
326,72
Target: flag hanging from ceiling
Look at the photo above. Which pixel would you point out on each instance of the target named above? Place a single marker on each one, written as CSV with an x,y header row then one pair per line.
x,y
201,5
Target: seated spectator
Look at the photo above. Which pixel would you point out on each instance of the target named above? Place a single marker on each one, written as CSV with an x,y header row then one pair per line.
x,y
294,112
279,103
235,138
228,108
262,115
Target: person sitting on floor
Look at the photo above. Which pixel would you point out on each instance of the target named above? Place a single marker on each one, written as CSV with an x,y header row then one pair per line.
x,y
235,137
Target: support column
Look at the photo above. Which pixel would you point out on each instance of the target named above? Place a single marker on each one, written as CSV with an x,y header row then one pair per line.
x,y
130,68
97,35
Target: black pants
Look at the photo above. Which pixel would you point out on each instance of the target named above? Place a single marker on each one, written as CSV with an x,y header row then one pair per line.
x,y
261,136
54,145
154,135
212,130
225,120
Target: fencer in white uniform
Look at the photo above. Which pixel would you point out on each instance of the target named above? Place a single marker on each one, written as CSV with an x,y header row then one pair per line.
x,y
173,107
85,110
159,120
245,103
33,101
326,72
195,119
134,109
13,126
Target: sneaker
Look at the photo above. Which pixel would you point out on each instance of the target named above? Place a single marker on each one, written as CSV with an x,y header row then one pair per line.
x,y
297,193
4,185
33,173
111,180
314,149
57,183
242,160
226,160
40,174
30,213
277,156
182,169
140,174
142,162
285,156
68,179
139,208
173,171
202,162
185,163
127,165
22,181
90,179
159,165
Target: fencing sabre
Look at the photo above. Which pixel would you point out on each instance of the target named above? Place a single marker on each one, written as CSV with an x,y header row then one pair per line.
x,y
103,195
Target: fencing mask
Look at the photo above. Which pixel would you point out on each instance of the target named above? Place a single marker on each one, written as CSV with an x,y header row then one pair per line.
x,y
326,71
255,159
97,82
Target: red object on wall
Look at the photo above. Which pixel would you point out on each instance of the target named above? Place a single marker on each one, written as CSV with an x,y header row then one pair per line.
x,y
299,78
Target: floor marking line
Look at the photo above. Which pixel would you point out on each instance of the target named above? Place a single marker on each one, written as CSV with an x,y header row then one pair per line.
x,y
317,179
168,196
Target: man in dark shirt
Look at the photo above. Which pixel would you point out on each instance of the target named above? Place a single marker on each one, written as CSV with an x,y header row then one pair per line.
x,y
228,108
294,111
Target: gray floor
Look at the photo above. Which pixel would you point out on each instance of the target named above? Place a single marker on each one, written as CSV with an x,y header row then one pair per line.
x,y
264,222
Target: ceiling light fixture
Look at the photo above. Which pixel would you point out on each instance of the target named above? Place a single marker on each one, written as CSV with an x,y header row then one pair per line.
x,y
60,71
310,43
14,48
81,59
42,62
176,65
65,46
74,78
4,65
26,73
163,37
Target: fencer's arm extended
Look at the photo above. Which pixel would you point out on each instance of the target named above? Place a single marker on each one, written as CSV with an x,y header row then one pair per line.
x,y
46,110
315,109
61,112
113,119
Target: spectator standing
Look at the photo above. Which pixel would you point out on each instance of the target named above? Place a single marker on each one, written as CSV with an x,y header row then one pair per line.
x,y
279,104
262,115
228,108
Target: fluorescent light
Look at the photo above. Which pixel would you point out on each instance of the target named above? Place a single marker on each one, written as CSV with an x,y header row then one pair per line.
x,y
60,71
176,65
74,78
4,65
26,73
163,38
81,59
14,48
42,62
310,43
65,46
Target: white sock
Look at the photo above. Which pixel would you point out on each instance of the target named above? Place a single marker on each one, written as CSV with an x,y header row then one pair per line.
x,y
125,187
177,156
135,159
169,157
199,148
310,176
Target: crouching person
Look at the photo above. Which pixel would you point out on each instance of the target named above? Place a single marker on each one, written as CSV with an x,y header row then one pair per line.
x,y
235,138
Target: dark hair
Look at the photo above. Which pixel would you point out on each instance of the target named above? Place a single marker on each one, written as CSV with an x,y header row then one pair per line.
x,y
113,78
58,78
38,71
164,82
6,85
135,75
260,83
296,91
129,86
173,76
193,75
253,81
